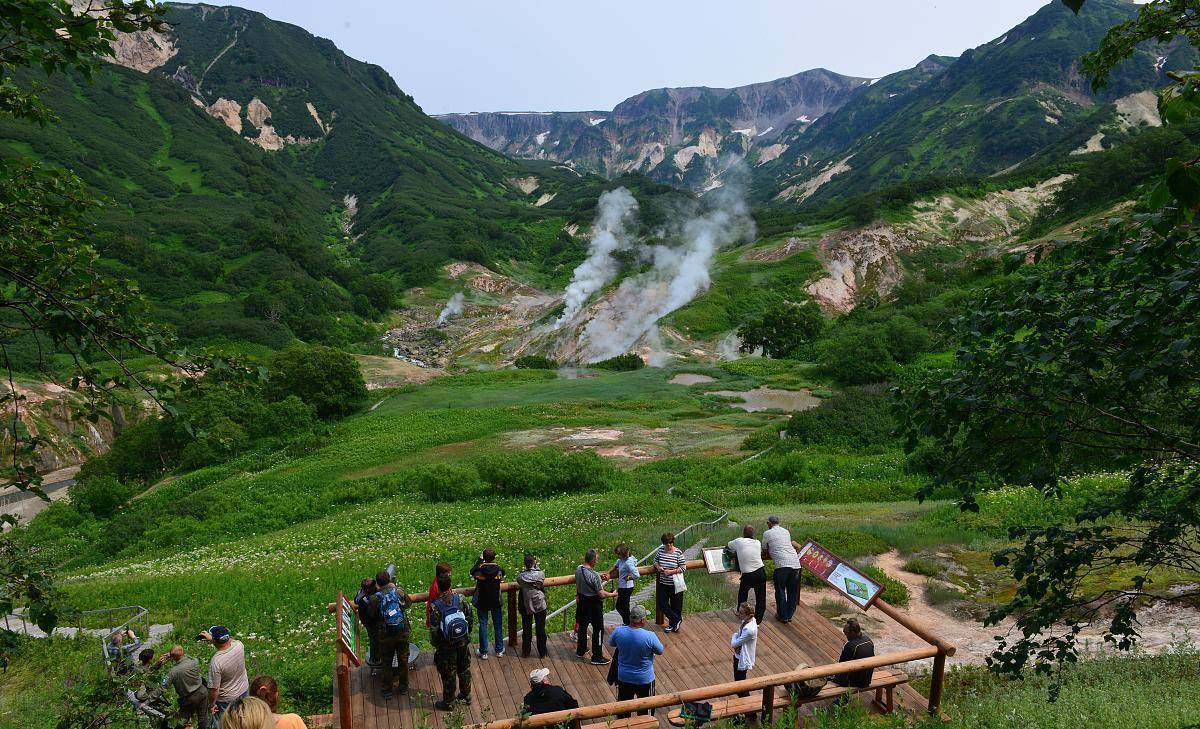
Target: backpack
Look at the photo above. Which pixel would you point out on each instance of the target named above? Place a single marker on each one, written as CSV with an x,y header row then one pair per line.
x,y
393,616
452,621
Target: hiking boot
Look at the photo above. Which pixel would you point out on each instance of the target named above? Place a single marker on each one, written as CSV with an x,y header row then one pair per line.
x,y
464,699
600,661
442,706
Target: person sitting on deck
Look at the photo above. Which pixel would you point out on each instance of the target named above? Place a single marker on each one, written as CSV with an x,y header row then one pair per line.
x,y
488,578
636,649
450,631
544,697
265,688
857,646
589,607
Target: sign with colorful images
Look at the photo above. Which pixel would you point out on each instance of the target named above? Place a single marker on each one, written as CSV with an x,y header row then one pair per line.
x,y
347,628
839,574
717,561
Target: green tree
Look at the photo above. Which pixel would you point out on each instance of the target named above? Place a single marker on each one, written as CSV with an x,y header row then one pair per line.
x,y
856,355
101,495
784,330
328,379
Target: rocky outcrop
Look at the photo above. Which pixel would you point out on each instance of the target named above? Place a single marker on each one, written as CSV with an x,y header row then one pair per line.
x,y
228,111
259,116
142,51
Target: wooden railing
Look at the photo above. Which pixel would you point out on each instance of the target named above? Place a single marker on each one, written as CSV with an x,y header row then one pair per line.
x,y
766,684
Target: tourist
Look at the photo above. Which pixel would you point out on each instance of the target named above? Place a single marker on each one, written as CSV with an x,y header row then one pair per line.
x,y
777,543
186,679
450,631
754,572
247,713
636,648
744,643
533,606
265,688
365,590
858,645
489,577
388,609
625,571
669,562
442,568
149,692
227,680
544,697
589,608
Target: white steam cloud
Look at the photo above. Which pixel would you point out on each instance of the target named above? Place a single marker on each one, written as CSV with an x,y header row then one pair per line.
x,y
679,274
453,308
609,235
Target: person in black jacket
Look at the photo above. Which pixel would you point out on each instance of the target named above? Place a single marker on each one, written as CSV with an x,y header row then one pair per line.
x,y
544,697
857,646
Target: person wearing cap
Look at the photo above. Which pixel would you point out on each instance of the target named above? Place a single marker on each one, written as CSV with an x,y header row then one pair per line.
x,y
544,697
754,573
636,649
227,681
778,545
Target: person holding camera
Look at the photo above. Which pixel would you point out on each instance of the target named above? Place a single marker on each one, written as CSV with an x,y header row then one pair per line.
x,y
227,681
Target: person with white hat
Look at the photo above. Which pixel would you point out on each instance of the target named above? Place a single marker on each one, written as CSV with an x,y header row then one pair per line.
x,y
544,697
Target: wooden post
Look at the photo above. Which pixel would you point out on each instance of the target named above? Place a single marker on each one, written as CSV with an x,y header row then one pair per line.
x,y
659,618
935,686
343,678
768,704
512,618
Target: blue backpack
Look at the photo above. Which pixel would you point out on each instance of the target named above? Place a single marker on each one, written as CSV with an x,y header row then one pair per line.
x,y
394,618
453,621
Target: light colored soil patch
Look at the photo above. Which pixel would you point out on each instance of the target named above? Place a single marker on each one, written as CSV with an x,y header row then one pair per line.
x,y
690,378
784,249
767,398
381,372
634,443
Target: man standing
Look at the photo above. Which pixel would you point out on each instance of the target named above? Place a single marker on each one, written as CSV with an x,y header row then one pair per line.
x,y
626,573
544,697
636,649
589,608
185,678
754,573
450,630
227,680
858,645
488,578
777,543
388,610
533,607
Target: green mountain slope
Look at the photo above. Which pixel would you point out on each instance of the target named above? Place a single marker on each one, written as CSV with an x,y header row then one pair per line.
x,y
988,111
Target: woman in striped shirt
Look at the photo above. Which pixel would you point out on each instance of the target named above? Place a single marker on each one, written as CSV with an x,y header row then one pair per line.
x,y
669,561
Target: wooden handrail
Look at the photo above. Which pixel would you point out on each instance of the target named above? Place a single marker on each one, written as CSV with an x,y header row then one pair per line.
x,y
597,711
915,627
559,581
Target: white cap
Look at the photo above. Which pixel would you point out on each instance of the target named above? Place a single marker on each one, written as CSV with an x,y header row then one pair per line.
x,y
538,675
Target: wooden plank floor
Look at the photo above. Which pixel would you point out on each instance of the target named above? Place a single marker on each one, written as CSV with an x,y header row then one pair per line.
x,y
697,656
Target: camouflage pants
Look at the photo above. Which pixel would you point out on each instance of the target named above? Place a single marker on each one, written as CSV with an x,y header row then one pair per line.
x,y
454,661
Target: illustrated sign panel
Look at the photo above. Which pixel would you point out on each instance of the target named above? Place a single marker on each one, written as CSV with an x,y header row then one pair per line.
x,y
717,561
839,574
347,627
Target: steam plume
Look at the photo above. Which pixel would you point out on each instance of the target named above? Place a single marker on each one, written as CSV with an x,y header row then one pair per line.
x,y
453,308
609,235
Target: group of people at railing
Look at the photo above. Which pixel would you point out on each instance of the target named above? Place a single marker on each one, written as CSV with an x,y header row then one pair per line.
x,y
382,608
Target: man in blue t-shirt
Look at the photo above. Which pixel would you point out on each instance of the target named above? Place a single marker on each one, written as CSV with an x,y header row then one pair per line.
x,y
636,649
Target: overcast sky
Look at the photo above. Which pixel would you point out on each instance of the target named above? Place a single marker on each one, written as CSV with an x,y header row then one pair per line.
x,y
569,55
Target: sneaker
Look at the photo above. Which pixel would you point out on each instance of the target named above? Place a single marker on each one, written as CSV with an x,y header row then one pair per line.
x,y
669,629
601,661
500,654
442,706
483,656
581,656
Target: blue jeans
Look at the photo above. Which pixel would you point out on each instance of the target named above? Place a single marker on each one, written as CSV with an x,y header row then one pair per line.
x,y
494,615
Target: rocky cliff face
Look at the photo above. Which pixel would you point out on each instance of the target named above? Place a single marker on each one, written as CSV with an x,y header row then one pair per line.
x,y
685,136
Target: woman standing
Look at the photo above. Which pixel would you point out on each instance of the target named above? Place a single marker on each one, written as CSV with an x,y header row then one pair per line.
x,y
669,562
625,571
744,643
533,606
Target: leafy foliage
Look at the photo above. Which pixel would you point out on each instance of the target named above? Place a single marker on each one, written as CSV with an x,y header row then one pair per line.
x,y
621,363
859,417
785,330
535,362
327,379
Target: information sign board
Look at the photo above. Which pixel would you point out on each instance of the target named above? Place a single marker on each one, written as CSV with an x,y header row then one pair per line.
x,y
839,574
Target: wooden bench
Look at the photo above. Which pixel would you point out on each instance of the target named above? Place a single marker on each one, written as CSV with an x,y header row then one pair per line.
x,y
633,722
883,683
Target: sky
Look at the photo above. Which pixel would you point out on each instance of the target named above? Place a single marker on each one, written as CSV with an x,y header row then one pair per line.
x,y
576,55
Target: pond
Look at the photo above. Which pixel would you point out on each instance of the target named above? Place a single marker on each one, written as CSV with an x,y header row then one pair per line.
x,y
690,378
767,398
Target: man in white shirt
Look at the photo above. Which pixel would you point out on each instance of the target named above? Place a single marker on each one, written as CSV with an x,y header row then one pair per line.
x,y
754,574
777,542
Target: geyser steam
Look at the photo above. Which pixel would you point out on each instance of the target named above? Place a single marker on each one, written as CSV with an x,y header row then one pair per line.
x,y
453,308
609,235
679,274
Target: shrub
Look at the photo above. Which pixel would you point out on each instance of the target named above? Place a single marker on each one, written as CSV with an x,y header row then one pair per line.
x,y
544,472
535,362
858,416
894,591
906,339
99,496
197,454
447,482
856,355
924,566
621,363
937,593
328,379
784,330
847,543
761,439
